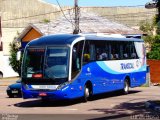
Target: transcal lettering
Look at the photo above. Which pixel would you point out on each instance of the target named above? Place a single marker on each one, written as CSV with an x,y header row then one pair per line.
x,y
125,66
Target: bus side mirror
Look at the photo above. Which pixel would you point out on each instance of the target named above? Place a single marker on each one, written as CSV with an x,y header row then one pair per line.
x,y
18,55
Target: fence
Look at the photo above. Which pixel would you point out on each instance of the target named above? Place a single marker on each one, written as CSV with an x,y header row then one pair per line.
x,y
154,70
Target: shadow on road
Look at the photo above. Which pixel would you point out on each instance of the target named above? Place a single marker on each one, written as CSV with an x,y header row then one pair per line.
x,y
112,94
40,103
127,110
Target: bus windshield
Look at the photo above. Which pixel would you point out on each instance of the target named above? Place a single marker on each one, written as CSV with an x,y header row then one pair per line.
x,y
56,62
50,63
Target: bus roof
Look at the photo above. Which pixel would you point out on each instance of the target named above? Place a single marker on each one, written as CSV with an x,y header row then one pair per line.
x,y
59,39
63,39
95,37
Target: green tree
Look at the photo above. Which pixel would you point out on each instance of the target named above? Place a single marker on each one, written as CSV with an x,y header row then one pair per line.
x,y
154,53
151,39
14,47
147,27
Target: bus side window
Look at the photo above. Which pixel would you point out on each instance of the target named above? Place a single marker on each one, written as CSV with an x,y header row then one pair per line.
x,y
114,49
86,57
133,51
116,56
125,55
101,51
77,58
86,54
126,49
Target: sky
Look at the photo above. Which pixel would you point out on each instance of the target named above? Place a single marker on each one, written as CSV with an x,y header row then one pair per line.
x,y
100,2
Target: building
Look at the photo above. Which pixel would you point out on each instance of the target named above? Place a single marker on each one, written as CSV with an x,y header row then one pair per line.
x,y
15,15
1,45
90,23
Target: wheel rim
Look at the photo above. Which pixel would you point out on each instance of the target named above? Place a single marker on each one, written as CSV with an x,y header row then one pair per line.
x,y
126,88
86,92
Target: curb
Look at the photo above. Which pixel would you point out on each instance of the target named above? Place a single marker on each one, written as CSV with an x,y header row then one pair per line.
x,y
4,85
153,105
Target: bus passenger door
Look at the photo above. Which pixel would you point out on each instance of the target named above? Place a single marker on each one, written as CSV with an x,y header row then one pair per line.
x,y
89,69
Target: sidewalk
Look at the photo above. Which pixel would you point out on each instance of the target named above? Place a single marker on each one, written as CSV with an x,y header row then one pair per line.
x,y
8,81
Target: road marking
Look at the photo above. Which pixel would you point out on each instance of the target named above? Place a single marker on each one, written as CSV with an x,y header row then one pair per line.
x,y
71,109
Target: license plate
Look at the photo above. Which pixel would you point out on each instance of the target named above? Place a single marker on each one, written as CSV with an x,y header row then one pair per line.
x,y
53,87
14,91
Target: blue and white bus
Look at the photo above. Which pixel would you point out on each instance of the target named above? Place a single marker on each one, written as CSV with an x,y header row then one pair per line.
x,y
72,66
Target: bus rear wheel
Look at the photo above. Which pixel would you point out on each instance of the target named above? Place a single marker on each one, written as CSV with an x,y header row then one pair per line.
x,y
126,87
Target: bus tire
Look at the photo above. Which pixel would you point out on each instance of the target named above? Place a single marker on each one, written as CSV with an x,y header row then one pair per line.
x,y
126,87
11,96
87,93
1,75
44,100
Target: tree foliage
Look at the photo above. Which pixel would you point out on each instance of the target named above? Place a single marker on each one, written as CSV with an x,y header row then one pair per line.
x,y
146,27
155,52
14,47
151,39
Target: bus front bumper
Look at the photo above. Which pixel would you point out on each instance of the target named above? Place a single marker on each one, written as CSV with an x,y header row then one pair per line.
x,y
61,94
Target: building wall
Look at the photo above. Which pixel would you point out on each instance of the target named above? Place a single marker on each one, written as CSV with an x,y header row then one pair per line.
x,y
130,16
18,13
8,35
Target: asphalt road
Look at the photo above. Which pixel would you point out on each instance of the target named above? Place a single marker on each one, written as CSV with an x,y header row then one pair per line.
x,y
107,106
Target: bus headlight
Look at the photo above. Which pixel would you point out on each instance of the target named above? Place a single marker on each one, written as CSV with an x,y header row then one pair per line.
x,y
62,85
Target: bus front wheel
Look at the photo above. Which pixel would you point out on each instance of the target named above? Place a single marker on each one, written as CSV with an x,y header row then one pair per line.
x,y
86,93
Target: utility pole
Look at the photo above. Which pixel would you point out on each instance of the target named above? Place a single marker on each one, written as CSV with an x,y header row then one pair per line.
x,y
158,8
158,16
76,30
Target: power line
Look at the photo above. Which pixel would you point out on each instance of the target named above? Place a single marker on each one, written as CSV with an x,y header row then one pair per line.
x,y
63,13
